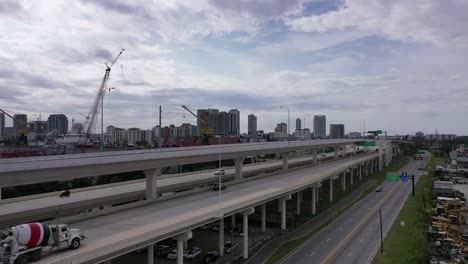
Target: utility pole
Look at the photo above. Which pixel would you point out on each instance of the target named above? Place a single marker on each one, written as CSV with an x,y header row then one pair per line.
x,y
381,231
412,178
160,129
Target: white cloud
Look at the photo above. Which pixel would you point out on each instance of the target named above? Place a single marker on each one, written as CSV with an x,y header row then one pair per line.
x,y
442,23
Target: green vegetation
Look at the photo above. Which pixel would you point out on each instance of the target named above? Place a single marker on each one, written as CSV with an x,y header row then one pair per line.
x,y
286,248
408,244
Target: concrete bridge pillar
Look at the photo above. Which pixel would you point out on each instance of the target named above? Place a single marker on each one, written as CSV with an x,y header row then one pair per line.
x,y
315,156
264,217
314,201
238,165
283,210
351,175
181,238
298,203
233,220
245,215
285,160
152,183
343,151
354,150
360,171
150,258
331,190
343,181
221,237
336,152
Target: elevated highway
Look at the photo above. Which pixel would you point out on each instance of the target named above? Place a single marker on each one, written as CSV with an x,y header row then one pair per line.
x,y
116,234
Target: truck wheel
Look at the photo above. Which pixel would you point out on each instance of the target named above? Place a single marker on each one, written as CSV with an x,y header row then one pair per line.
x,y
35,255
75,243
22,259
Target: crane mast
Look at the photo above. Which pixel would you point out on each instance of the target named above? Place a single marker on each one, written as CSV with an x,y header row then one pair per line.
x,y
90,121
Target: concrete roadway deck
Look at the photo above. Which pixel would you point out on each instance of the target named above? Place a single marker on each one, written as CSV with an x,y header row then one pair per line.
x,y
38,207
116,234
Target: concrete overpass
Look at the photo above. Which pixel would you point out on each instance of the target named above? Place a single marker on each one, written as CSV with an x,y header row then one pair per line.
x,y
123,232
23,171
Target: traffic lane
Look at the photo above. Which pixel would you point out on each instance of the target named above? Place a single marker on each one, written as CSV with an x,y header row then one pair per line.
x,y
360,248
325,241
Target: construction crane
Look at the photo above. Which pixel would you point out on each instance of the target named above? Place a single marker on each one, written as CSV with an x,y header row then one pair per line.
x,y
205,128
90,120
23,129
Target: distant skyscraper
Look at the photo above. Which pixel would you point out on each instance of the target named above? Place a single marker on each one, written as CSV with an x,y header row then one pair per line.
x,y
2,125
320,126
222,123
234,122
281,128
20,124
337,131
252,126
298,123
58,122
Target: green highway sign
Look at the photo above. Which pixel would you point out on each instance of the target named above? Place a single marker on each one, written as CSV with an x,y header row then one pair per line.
x,y
379,132
393,176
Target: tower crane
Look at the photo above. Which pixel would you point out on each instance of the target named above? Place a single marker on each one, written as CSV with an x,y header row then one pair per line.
x,y
23,130
205,128
90,120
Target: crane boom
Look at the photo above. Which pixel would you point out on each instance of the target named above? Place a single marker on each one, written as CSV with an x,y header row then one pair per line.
x,y
190,111
96,107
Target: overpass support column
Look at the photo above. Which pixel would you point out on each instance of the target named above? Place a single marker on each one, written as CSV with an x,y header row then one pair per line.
x,y
354,150
298,203
238,164
150,259
351,176
221,237
314,202
285,160
152,183
366,168
233,221
381,158
343,151
245,246
360,172
336,152
180,245
315,157
343,181
283,210
372,166
264,217
331,190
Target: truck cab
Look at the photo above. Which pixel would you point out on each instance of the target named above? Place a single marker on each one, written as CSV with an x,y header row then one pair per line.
x,y
65,237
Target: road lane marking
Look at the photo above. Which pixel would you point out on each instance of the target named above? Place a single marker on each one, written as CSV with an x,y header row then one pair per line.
x,y
327,258
313,253
350,253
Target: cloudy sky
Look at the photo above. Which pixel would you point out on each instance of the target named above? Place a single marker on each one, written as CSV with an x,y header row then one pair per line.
x,y
397,65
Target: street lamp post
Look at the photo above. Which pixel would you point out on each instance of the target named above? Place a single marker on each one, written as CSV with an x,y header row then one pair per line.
x,y
289,123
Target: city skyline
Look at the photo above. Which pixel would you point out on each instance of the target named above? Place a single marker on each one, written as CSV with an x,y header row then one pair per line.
x,y
346,59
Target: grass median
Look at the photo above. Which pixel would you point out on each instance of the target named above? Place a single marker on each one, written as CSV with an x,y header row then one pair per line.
x,y
408,243
289,246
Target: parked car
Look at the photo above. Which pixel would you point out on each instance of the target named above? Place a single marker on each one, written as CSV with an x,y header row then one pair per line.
x,y
172,254
210,257
216,187
192,253
379,189
219,172
163,250
229,246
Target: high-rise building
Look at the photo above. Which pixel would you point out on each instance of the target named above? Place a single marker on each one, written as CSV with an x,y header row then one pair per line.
x,y
2,125
119,136
210,118
20,124
298,123
281,128
234,122
222,123
337,131
133,135
320,126
252,126
58,122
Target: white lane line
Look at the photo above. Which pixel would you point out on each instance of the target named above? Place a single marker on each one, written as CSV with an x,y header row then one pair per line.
x,y
350,253
313,253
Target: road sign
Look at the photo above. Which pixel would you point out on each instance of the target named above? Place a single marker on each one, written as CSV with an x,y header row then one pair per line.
x,y
379,132
393,176
404,177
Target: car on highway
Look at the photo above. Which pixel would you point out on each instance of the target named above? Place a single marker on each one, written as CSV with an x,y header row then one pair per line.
x,y
192,253
172,254
219,172
216,187
163,250
379,189
210,257
229,246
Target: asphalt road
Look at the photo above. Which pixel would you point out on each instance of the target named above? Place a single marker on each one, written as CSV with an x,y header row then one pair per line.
x,y
355,235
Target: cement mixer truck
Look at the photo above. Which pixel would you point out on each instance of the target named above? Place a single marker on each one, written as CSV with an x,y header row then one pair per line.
x,y
29,242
